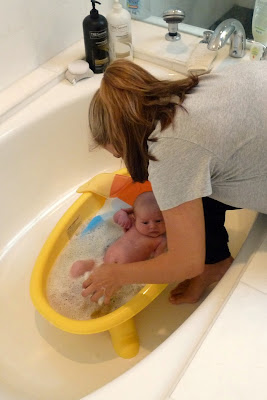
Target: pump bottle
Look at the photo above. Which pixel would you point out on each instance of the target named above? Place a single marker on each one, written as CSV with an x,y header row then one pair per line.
x,y
119,29
95,31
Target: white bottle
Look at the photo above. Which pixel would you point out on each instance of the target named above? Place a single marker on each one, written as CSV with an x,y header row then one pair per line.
x,y
120,36
259,22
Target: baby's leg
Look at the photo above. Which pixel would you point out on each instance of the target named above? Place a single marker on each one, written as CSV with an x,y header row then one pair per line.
x,y
80,267
110,258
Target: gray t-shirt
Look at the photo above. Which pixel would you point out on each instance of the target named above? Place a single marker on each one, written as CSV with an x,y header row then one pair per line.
x,y
218,148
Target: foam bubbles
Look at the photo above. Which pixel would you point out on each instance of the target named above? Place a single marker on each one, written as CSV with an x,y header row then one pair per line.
x,y
64,292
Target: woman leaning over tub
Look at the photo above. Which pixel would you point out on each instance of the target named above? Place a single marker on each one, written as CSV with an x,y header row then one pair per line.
x,y
203,146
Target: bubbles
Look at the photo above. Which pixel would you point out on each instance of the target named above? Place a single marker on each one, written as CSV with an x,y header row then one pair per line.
x,y
64,292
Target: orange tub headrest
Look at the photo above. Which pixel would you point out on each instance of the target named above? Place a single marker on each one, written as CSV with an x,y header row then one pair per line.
x,y
116,185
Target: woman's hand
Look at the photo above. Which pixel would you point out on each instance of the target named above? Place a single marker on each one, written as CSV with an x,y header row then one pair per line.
x,y
103,281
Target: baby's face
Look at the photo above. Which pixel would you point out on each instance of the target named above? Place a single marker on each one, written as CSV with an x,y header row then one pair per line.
x,y
149,222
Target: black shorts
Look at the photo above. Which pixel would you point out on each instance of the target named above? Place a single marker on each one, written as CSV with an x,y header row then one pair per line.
x,y
216,234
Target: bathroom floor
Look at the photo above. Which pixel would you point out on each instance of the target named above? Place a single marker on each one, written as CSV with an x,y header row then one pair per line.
x,y
242,14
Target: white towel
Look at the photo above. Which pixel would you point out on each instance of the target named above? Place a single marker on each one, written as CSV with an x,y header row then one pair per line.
x,y
200,60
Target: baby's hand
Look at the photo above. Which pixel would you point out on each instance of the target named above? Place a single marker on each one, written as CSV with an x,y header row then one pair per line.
x,y
123,219
80,267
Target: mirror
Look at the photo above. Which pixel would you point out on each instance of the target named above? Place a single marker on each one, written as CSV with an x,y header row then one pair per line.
x,y
205,14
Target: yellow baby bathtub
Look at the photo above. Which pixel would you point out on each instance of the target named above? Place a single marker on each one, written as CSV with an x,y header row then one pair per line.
x,y
120,323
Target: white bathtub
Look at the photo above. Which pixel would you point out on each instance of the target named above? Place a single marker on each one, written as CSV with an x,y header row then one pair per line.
x,y
43,158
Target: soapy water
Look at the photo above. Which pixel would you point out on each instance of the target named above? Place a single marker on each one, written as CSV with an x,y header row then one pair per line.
x,y
64,292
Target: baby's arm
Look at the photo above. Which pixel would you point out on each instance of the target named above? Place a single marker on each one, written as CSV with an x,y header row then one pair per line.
x,y
162,246
123,218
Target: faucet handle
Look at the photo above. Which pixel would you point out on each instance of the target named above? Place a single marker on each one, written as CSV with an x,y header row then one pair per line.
x,y
206,36
173,17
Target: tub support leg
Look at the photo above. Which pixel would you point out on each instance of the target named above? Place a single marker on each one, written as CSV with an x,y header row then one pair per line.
x,y
125,339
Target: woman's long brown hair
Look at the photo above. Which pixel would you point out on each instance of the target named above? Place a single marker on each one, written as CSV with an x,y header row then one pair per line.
x,y
127,107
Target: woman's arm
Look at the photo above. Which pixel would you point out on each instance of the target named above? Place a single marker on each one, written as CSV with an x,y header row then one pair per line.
x,y
185,258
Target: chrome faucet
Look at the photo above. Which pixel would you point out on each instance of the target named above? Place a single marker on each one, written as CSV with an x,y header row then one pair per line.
x,y
233,29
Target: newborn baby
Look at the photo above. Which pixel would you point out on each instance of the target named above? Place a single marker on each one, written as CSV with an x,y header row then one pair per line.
x,y
144,235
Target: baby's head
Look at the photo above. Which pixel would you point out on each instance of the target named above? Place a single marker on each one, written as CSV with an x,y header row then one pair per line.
x,y
148,217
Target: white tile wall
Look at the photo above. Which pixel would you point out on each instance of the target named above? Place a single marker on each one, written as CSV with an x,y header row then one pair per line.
x,y
33,31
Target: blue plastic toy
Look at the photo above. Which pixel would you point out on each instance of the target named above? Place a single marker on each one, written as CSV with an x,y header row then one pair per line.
x,y
97,220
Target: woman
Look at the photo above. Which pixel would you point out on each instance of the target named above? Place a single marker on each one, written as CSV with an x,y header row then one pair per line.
x,y
203,146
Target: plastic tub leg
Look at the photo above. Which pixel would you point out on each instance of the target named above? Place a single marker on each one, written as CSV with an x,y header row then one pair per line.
x,y
125,339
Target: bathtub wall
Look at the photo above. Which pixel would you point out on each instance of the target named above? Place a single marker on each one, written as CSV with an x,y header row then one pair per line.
x,y
44,157
32,32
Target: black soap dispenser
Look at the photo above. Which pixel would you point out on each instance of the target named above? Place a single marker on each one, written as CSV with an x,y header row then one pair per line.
x,y
95,32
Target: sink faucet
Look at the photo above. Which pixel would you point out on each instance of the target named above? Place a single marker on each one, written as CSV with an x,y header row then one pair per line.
x,y
233,29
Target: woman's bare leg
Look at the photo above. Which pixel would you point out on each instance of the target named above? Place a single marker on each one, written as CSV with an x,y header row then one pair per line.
x,y
191,291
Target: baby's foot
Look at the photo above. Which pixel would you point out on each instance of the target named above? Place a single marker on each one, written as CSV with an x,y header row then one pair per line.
x,y
80,267
190,291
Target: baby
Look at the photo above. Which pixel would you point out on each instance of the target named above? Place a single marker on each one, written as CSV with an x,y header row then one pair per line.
x,y
144,237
